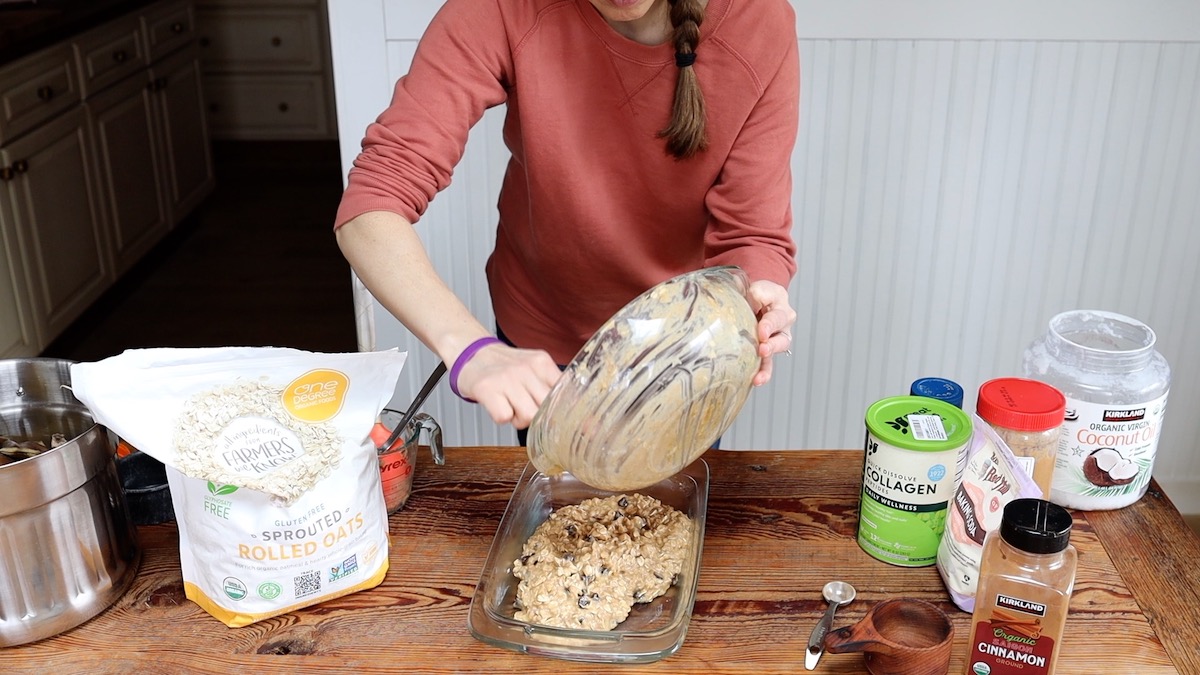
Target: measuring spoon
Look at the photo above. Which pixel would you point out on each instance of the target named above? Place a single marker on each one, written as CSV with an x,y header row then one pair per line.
x,y
837,594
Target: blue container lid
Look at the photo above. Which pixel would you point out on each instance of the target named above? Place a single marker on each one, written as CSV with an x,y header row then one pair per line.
x,y
939,388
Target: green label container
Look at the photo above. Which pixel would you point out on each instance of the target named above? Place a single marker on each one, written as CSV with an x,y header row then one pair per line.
x,y
911,461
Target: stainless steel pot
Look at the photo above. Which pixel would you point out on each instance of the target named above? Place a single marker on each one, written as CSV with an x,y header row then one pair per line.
x,y
68,549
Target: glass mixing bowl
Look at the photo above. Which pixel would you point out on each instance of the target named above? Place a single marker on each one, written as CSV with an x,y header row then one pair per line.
x,y
655,386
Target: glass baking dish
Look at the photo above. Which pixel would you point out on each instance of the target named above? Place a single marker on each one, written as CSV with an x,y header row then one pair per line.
x,y
652,631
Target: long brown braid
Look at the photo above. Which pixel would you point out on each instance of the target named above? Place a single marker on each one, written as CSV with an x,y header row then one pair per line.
x,y
685,133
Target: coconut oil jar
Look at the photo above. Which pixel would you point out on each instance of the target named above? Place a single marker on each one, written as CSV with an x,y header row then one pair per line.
x,y
1116,388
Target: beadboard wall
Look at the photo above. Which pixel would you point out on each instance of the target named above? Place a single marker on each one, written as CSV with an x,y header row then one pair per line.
x,y
964,171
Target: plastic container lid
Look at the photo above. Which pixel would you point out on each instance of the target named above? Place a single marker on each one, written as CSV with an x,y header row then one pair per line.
x,y
940,388
889,420
1021,404
1036,526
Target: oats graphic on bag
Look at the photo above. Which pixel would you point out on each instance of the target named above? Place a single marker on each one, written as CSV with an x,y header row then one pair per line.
x,y
242,434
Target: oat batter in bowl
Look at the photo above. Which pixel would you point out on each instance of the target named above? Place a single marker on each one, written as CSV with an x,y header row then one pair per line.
x,y
589,563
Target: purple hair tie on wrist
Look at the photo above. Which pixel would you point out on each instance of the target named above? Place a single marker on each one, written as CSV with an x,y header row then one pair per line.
x,y
462,361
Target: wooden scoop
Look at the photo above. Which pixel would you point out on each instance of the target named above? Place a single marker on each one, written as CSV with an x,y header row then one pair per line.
x,y
898,637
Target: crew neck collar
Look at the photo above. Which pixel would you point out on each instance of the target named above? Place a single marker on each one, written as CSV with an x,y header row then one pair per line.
x,y
714,13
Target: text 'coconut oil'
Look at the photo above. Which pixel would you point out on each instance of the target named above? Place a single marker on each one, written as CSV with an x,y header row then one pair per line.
x,y
1116,388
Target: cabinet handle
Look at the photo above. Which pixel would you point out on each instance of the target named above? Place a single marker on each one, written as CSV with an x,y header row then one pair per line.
x,y
276,41
120,55
283,107
8,173
157,84
45,93
177,27
214,108
204,42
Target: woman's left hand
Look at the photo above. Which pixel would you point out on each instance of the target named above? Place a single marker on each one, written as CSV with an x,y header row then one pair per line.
x,y
769,301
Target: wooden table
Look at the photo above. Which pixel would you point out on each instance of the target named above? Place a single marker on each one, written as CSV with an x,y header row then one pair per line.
x,y
780,525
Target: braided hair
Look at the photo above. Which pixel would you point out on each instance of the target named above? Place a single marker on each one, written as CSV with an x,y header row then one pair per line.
x,y
685,133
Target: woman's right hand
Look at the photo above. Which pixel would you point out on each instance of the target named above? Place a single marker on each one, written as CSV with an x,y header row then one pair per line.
x,y
388,257
509,383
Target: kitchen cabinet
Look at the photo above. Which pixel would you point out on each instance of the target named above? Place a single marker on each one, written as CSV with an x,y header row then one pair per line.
x,y
103,149
151,138
35,89
17,336
266,69
130,153
179,109
48,189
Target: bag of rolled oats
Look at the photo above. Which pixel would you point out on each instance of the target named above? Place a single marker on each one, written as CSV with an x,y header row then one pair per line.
x,y
273,476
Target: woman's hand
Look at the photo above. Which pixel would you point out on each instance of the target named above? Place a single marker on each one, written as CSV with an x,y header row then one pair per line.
x,y
769,301
509,383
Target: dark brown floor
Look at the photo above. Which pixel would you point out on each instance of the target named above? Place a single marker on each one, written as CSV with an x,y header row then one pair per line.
x,y
255,265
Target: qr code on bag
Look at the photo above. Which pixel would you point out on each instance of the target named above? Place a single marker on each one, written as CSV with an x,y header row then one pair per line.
x,y
308,583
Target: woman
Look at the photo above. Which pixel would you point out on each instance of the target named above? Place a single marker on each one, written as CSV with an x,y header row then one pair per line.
x,y
648,137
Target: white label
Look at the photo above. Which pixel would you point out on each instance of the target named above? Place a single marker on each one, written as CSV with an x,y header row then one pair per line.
x,y
1106,452
1026,464
927,428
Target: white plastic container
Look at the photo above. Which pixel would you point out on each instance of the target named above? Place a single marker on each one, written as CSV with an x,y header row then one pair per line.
x,y
1116,387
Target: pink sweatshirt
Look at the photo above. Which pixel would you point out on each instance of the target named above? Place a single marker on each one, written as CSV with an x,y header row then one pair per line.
x,y
592,210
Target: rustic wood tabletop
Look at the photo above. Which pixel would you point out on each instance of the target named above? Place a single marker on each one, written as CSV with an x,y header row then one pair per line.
x,y
779,526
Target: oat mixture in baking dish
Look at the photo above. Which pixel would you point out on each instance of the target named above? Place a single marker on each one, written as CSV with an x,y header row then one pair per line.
x,y
589,563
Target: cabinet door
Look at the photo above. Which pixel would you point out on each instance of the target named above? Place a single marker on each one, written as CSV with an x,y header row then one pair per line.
x,y
58,219
17,334
180,108
129,157
168,26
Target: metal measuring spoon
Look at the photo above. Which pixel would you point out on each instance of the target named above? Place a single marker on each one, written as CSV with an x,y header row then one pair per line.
x,y
837,594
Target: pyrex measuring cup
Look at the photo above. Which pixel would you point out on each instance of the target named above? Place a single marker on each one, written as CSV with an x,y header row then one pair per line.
x,y
398,463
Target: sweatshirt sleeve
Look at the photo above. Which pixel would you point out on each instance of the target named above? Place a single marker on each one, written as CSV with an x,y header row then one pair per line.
x,y
750,205
460,69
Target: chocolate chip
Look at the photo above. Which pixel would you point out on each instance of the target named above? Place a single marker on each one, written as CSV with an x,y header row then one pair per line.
x,y
584,601
623,502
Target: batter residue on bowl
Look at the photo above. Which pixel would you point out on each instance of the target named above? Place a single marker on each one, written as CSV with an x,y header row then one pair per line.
x,y
587,565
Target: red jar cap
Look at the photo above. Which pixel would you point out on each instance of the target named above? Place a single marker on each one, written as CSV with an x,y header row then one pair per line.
x,y
1021,404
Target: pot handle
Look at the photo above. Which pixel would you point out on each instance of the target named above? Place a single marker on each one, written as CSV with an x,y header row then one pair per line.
x,y
859,637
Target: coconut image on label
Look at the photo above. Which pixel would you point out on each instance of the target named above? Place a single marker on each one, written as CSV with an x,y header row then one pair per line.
x,y
1105,467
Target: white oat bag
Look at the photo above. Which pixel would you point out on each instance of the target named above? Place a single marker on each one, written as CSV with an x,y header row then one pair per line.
x,y
274,478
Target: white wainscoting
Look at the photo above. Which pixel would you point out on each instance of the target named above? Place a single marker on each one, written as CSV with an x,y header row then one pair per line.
x,y
962,174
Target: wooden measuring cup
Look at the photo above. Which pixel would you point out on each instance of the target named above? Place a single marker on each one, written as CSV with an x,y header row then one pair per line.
x,y
898,637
